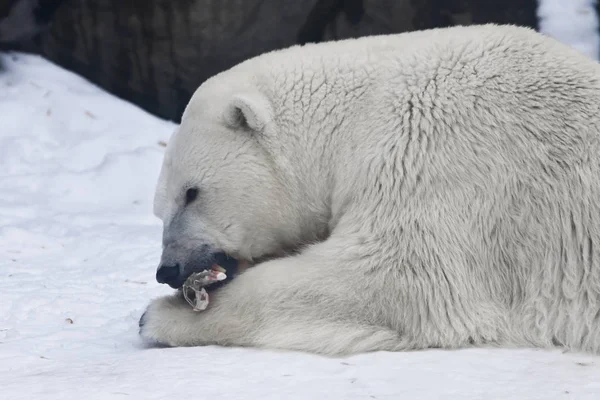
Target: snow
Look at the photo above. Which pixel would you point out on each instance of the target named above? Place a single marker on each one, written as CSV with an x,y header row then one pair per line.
x,y
574,22
78,250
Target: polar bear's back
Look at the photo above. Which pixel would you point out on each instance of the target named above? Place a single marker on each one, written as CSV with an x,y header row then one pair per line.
x,y
428,46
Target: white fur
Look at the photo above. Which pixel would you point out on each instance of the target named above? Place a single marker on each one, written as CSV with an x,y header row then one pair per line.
x,y
439,188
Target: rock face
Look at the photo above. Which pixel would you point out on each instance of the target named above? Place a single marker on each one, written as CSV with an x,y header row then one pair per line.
x,y
155,53
23,19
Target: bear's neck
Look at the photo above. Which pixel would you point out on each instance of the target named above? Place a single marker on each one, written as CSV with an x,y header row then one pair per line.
x,y
322,123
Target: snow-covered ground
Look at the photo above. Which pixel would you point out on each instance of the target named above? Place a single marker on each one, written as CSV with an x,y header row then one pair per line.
x,y
571,21
78,251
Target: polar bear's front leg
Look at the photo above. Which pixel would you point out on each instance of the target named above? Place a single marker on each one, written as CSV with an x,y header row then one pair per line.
x,y
308,302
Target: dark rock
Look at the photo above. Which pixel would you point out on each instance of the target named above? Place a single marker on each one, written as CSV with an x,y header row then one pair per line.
x,y
155,53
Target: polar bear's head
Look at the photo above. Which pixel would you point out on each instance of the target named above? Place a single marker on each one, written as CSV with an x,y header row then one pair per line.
x,y
227,184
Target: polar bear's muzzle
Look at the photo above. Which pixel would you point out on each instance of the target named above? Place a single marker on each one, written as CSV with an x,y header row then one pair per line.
x,y
178,263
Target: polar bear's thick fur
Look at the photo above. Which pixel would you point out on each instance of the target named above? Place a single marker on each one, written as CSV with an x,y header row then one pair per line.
x,y
430,189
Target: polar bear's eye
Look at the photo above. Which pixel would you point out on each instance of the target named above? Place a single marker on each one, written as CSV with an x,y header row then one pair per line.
x,y
190,195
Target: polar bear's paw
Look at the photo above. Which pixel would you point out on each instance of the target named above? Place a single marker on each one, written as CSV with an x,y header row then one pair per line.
x,y
166,321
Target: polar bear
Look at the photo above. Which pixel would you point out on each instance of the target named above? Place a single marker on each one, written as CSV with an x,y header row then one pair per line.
x,y
432,189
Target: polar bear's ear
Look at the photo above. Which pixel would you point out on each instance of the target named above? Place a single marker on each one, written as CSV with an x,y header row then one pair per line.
x,y
251,111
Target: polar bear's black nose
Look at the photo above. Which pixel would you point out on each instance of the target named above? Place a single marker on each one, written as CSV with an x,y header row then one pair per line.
x,y
168,274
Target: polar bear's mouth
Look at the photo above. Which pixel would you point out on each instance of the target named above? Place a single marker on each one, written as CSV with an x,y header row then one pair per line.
x,y
223,263
195,290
